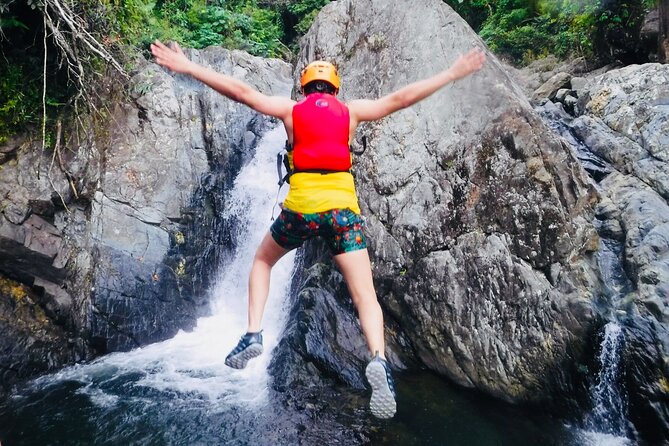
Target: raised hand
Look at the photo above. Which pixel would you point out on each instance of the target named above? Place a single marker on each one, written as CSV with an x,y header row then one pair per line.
x,y
171,57
468,63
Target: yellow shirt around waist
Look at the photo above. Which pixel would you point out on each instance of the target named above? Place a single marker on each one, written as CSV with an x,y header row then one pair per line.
x,y
314,192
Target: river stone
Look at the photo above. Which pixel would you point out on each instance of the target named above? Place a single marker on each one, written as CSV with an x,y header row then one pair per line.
x,y
577,83
473,206
562,94
552,86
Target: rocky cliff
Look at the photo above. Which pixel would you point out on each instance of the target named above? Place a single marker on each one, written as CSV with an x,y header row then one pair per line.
x,y
622,118
109,241
483,227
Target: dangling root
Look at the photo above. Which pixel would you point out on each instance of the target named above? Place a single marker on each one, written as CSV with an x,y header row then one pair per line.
x,y
77,48
69,39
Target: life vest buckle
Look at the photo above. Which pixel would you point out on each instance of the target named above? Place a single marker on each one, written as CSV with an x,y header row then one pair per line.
x,y
282,160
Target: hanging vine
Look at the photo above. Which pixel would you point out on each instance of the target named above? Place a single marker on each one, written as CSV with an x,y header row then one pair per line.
x,y
66,38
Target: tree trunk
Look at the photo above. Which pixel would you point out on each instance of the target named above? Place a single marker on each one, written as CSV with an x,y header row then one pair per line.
x,y
663,50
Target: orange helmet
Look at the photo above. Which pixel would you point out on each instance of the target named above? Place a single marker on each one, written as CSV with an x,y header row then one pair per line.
x,y
320,71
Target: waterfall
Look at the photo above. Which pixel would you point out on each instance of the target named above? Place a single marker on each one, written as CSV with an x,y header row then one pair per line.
x,y
607,424
169,384
609,413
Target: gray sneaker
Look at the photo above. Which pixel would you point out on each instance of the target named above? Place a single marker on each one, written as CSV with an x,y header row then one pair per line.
x,y
382,403
249,346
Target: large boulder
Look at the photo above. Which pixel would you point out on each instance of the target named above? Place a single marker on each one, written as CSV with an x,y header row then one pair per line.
x,y
477,215
116,230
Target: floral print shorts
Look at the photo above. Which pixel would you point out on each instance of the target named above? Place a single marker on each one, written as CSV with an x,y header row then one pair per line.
x,y
341,229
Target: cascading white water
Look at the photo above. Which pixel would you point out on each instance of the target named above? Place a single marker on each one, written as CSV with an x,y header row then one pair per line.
x,y
607,424
610,407
192,364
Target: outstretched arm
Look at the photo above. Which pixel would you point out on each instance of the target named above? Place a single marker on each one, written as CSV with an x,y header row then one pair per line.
x,y
370,110
174,59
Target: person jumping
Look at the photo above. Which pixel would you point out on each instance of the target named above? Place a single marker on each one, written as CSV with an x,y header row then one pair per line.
x,y
321,201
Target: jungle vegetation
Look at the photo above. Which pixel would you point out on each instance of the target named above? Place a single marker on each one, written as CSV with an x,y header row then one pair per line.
x,y
53,51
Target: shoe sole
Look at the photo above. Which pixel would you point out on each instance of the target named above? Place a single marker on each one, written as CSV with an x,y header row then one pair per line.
x,y
382,403
239,360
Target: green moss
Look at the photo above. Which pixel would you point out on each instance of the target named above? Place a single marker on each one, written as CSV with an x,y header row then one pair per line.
x,y
664,384
181,268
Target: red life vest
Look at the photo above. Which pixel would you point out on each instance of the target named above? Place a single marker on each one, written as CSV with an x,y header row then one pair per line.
x,y
321,127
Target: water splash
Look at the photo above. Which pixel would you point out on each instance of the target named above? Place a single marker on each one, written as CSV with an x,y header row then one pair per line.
x,y
190,367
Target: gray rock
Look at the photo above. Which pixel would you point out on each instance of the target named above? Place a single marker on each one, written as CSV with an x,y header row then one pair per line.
x,y
631,101
541,70
570,103
550,88
645,219
562,94
32,342
623,122
627,153
651,25
578,83
470,214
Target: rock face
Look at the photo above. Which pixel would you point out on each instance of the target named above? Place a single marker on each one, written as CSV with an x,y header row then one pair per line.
x,y
625,121
119,238
477,215
32,342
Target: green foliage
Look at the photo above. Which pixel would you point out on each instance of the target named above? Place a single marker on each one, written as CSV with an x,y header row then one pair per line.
x,y
198,23
475,12
522,29
7,23
255,30
251,25
528,29
21,98
305,11
16,102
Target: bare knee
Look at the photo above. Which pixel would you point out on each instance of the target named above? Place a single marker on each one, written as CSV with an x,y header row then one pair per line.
x,y
268,253
365,301
263,261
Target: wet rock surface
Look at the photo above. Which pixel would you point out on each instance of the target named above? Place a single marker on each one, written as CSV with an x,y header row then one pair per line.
x,y
38,344
621,118
479,220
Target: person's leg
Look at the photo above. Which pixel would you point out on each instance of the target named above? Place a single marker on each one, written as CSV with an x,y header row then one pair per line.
x,y
269,252
250,345
357,272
